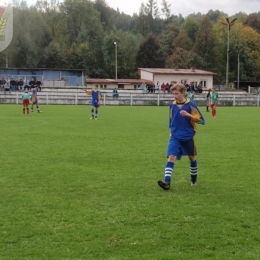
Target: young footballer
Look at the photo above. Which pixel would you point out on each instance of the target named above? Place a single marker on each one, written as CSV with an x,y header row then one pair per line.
x,y
214,101
191,96
26,101
184,115
208,100
34,99
96,98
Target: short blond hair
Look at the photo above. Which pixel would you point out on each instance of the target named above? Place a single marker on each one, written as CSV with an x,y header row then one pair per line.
x,y
179,87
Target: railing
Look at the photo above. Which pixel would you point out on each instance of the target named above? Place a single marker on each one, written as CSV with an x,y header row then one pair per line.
x,y
127,99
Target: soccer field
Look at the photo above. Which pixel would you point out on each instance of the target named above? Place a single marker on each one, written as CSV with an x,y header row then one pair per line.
x,y
74,188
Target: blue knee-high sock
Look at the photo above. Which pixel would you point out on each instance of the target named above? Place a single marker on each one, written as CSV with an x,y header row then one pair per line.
x,y
168,172
92,112
96,113
193,171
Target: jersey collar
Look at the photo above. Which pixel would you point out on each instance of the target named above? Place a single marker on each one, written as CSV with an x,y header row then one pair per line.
x,y
186,102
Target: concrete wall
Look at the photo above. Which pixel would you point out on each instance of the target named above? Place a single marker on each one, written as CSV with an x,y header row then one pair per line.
x,y
147,75
129,98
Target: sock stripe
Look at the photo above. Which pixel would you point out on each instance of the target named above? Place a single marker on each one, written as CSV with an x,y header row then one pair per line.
x,y
168,172
193,171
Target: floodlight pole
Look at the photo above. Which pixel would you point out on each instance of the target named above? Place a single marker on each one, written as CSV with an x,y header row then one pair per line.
x,y
115,60
229,24
239,47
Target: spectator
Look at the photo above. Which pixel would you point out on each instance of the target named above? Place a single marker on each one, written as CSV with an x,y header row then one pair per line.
x,y
163,87
38,84
21,84
17,86
158,86
115,93
12,84
7,86
167,89
150,88
153,88
143,87
31,83
1,84
189,88
171,85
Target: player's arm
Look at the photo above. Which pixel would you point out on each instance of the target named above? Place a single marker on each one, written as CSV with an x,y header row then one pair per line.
x,y
88,92
195,115
99,98
170,119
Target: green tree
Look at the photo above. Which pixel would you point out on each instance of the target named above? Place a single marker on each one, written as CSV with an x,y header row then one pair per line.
x,y
214,15
53,56
166,9
190,26
253,20
183,59
166,39
183,41
182,56
128,47
150,54
105,14
83,25
30,36
142,24
206,45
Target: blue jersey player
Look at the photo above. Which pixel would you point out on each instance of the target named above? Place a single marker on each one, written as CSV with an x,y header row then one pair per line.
x,y
34,99
96,98
184,115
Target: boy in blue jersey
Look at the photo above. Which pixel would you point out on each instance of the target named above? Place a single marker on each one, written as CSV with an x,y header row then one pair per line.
x,y
96,98
184,115
34,99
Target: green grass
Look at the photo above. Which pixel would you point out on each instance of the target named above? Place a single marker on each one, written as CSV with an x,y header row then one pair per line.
x,y
73,188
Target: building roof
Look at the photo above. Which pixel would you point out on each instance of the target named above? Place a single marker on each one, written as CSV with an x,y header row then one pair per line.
x,y
116,81
51,69
177,71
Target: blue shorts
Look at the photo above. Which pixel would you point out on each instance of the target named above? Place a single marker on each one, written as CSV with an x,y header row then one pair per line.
x,y
181,148
94,103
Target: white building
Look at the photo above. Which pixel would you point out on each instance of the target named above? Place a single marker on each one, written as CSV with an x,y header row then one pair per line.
x,y
128,84
186,76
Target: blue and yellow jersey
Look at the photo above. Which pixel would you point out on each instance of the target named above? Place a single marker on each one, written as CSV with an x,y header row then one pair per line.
x,y
184,128
96,94
34,95
34,92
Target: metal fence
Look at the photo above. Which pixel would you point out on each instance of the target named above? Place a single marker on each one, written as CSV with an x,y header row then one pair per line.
x,y
128,99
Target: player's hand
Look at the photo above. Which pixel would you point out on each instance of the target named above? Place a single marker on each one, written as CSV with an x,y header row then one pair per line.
x,y
184,113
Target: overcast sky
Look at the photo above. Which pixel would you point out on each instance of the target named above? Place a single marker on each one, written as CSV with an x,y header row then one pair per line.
x,y
186,7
